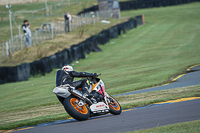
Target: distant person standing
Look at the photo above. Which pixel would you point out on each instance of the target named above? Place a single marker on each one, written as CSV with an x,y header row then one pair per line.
x,y
24,26
28,36
67,21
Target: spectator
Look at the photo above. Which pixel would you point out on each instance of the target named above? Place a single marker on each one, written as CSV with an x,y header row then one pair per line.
x,y
24,26
28,36
67,21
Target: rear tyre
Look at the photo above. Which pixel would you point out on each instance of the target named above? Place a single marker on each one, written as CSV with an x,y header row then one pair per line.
x,y
115,107
71,106
61,99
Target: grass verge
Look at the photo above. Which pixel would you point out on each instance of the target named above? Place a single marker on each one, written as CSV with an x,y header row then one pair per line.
x,y
185,127
50,113
143,99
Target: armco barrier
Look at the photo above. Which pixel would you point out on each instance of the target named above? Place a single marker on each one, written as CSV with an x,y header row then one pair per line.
x,y
45,65
139,4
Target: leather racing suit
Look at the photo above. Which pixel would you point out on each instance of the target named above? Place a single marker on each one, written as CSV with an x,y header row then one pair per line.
x,y
63,77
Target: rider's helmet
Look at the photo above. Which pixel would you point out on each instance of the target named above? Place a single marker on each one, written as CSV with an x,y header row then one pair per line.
x,y
67,68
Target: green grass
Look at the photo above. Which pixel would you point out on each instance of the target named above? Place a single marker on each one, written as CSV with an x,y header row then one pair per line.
x,y
185,127
143,99
35,121
59,43
49,113
48,47
144,57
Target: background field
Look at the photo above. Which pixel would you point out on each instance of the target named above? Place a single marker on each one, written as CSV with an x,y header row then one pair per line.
x,y
144,57
48,47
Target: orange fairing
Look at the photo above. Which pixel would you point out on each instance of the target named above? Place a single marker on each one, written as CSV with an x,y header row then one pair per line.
x,y
94,85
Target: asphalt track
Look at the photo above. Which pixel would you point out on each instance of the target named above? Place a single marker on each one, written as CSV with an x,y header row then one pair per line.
x,y
140,118
134,119
190,78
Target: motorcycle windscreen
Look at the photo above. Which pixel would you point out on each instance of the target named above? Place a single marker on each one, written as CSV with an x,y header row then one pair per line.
x,y
60,77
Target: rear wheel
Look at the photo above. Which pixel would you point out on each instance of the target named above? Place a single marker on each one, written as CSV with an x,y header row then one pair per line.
x,y
73,109
115,107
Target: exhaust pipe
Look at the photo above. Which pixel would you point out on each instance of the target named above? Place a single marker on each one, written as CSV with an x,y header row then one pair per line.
x,y
80,95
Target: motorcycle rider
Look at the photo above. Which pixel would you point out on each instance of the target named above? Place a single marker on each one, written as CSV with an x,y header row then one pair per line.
x,y
66,76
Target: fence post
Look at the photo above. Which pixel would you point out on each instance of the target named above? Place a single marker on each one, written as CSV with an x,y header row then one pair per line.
x,y
16,43
39,36
80,23
93,18
42,36
46,37
7,49
9,44
20,36
74,23
56,9
50,9
98,16
58,25
36,41
52,33
61,27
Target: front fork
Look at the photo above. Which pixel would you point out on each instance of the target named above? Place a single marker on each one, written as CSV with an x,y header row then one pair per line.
x,y
107,100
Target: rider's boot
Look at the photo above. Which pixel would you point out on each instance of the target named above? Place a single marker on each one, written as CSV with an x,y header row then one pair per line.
x,y
85,91
87,94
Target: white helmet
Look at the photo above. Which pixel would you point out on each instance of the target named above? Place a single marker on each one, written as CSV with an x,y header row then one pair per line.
x,y
67,68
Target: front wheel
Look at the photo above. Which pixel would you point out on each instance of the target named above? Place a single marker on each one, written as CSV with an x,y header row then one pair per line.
x,y
115,107
74,110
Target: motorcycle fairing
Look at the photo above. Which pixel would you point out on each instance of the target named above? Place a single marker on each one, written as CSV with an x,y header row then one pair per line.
x,y
99,107
62,91
99,87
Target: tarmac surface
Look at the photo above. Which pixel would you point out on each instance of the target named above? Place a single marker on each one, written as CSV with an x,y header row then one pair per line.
x,y
134,119
140,118
192,77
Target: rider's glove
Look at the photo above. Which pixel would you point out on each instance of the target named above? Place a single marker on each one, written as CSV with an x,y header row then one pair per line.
x,y
95,75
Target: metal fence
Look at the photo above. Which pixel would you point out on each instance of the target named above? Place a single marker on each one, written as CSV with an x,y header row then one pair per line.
x,y
42,34
52,9
4,2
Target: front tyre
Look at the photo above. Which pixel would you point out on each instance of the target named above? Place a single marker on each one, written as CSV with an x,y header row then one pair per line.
x,y
115,107
74,110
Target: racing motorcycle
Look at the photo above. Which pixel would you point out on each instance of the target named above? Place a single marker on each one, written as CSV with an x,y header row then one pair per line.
x,y
81,107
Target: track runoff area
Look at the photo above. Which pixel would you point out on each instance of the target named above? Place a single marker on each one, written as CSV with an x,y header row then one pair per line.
x,y
191,74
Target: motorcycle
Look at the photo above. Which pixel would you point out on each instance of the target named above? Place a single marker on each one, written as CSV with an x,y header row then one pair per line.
x,y
81,107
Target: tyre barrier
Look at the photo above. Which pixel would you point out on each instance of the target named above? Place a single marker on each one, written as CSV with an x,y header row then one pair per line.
x,y
23,71
139,4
